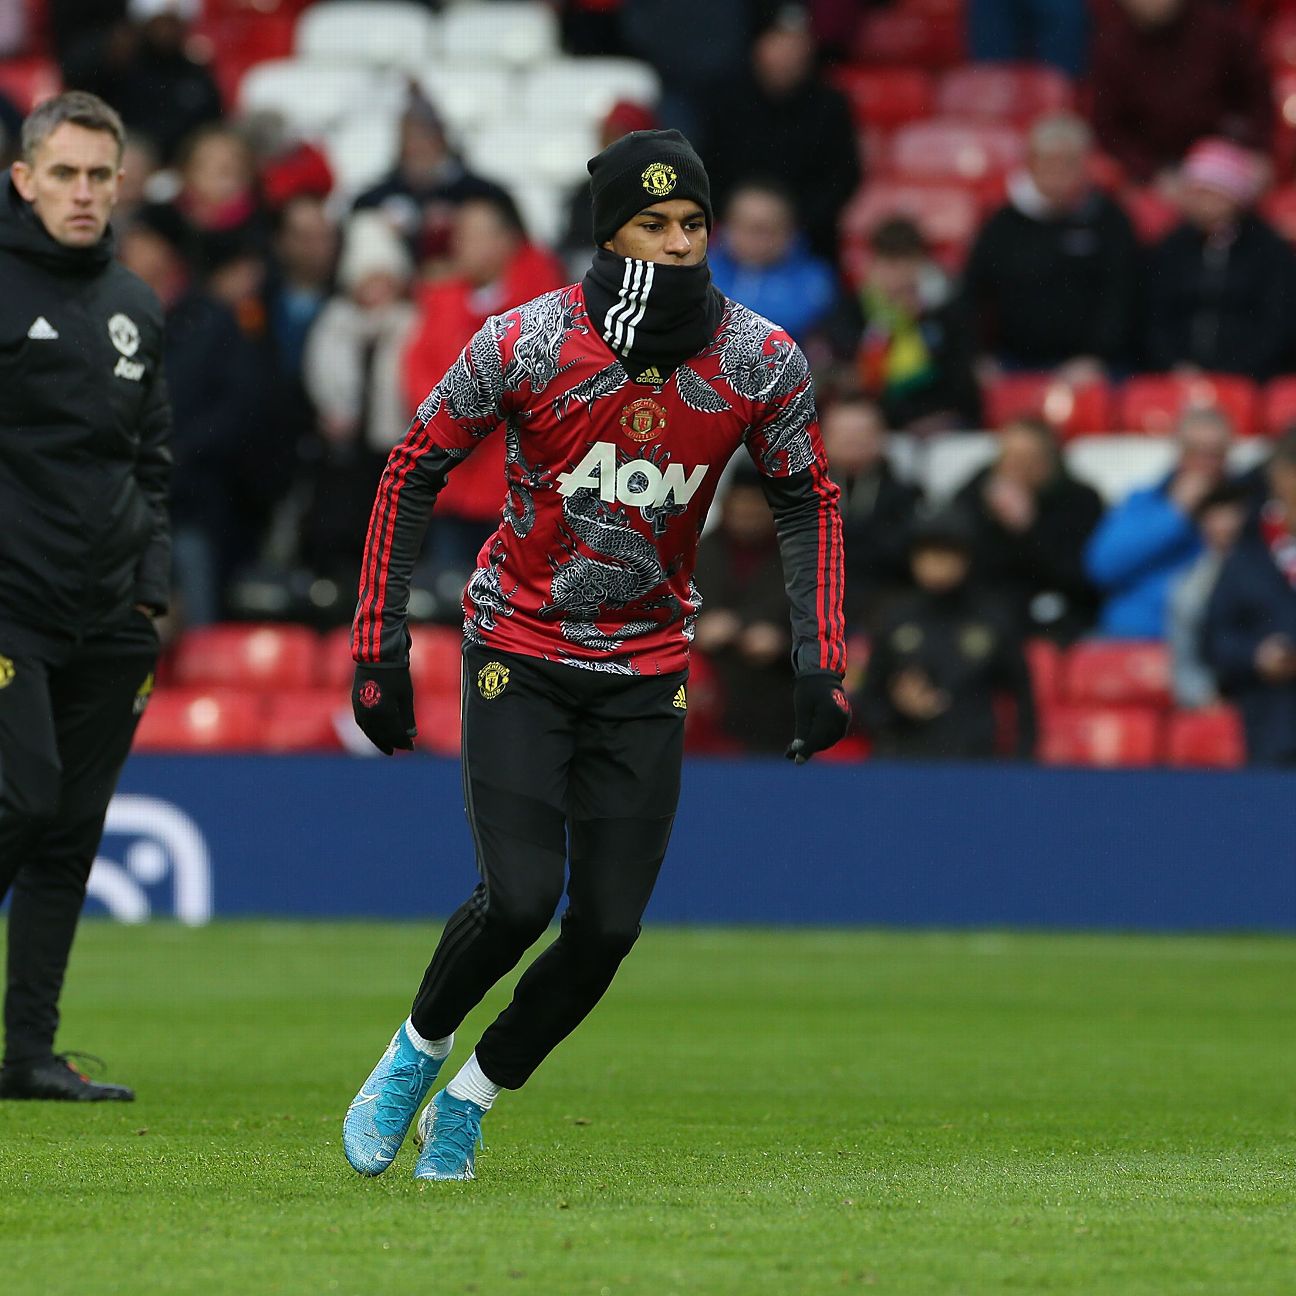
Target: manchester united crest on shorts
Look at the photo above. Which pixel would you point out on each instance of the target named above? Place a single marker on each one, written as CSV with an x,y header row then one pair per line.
x,y
492,680
643,419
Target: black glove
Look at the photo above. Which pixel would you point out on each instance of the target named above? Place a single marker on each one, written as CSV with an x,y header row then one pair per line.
x,y
822,714
382,698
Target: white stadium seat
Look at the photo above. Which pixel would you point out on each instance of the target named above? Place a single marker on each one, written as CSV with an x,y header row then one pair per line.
x,y
1116,465
362,151
943,464
556,156
470,98
542,209
585,89
385,33
320,97
513,32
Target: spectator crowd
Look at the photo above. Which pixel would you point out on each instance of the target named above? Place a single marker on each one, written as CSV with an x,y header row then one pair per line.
x,y
305,322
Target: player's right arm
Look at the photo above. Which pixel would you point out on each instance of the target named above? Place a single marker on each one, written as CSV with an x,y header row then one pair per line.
x,y
458,414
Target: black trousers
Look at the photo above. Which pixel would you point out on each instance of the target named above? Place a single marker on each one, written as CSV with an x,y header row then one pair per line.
x,y
569,775
66,724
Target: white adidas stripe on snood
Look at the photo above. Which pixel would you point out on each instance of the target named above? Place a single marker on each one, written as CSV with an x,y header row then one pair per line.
x,y
631,304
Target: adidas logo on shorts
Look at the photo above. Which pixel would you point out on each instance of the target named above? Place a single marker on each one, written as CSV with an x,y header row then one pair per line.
x,y
680,700
42,330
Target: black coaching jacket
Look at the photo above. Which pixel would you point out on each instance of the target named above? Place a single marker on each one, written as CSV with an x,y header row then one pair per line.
x,y
84,426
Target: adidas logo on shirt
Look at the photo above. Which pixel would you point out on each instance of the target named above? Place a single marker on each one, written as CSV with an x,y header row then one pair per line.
x,y
42,330
650,375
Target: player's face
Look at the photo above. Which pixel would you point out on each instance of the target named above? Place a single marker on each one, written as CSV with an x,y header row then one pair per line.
x,y
72,182
669,233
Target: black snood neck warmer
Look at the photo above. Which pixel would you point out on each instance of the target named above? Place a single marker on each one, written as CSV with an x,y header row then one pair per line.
x,y
653,317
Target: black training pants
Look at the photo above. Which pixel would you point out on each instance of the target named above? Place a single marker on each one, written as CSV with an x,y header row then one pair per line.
x,y
569,775
66,724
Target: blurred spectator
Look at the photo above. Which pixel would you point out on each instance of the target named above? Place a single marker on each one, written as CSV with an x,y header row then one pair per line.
x,y
1052,278
1250,633
1030,522
577,242
940,659
352,374
10,130
693,48
835,23
429,182
1145,543
877,509
141,68
760,258
287,166
1165,73
305,253
492,268
140,163
1221,286
215,401
784,122
14,19
906,340
742,626
1220,518
1030,31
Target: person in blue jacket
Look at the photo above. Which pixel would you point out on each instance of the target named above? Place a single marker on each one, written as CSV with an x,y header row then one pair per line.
x,y
1143,544
1249,637
761,259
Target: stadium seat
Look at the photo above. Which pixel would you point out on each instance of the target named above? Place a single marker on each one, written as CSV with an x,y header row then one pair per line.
x,y
1100,736
512,32
232,40
201,720
583,91
947,215
886,97
1278,207
1072,411
1117,672
1280,42
553,155
913,39
470,98
1116,465
1044,658
949,462
437,718
361,151
318,98
945,148
254,656
436,660
543,205
29,81
1284,145
1278,406
1003,91
301,720
1153,403
384,33
1211,737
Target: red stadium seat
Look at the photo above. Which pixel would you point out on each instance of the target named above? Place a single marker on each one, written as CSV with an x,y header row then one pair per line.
x,y
1153,403
29,81
1211,737
945,148
1100,736
1044,658
1072,411
1284,145
1280,42
437,717
435,656
202,720
1278,406
1152,214
1116,671
305,719
233,39
1278,207
1004,91
946,214
266,656
886,96
907,38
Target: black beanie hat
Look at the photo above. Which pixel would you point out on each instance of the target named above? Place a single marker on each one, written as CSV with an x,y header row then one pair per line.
x,y
640,169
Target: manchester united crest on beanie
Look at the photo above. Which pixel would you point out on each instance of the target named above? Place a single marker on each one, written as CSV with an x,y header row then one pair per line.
x,y
640,169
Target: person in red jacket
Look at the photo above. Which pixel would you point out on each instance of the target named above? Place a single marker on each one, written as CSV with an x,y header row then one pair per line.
x,y
1165,73
622,398
494,267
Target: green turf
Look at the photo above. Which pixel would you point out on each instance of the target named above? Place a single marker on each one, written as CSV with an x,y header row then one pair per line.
x,y
748,1112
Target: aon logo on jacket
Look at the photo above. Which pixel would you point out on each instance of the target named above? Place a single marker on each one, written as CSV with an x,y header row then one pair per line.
x,y
638,482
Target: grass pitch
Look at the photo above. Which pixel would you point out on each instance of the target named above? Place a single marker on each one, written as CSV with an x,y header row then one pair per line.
x,y
748,1112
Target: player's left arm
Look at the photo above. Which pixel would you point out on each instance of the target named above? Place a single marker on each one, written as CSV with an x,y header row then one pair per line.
x,y
153,473
785,445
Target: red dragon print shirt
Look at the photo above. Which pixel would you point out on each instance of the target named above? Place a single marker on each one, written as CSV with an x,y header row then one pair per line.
x,y
607,484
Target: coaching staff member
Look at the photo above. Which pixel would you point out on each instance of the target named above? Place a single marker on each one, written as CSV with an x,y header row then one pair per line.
x,y
84,552
622,397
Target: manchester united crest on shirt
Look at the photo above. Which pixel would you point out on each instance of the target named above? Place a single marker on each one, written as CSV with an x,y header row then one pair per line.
x,y
643,419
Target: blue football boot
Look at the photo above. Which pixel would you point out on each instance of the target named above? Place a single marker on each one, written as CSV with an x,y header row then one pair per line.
x,y
448,1134
380,1114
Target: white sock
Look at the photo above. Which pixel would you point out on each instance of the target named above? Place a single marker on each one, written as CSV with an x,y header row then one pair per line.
x,y
437,1048
471,1085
